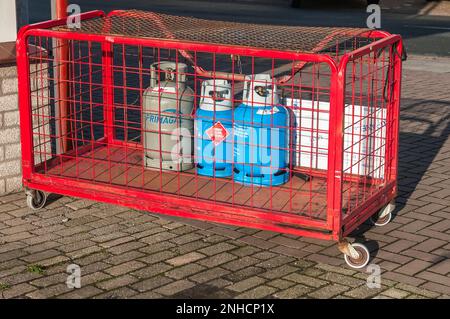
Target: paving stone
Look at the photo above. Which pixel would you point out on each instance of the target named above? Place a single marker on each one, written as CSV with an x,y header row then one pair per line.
x,y
413,281
117,282
186,239
246,284
312,272
437,278
281,284
93,278
293,292
219,283
84,252
291,252
158,257
184,271
185,259
319,258
125,268
257,242
189,247
417,290
444,289
279,272
127,256
342,279
209,274
413,267
328,291
245,251
49,292
339,270
258,292
214,239
363,292
50,280
226,232
159,237
395,293
174,287
120,249
416,254
94,267
306,280
151,270
399,246
216,249
430,245
17,290
240,263
82,293
121,293
147,295
117,242
150,249
442,267
275,262
217,260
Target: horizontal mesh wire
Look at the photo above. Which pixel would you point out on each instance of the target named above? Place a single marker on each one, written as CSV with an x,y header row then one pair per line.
x,y
189,29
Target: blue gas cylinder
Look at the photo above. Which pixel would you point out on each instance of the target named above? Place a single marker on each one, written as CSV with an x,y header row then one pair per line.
x,y
213,130
261,135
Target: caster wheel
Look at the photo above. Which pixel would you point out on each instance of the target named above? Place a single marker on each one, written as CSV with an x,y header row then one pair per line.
x,y
36,200
363,256
386,215
381,221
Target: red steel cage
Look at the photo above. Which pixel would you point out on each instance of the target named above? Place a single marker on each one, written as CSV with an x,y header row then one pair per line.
x,y
96,102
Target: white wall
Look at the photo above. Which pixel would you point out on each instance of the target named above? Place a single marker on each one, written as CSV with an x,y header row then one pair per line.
x,y
8,24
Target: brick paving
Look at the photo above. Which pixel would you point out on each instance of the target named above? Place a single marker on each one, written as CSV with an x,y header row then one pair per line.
x,y
130,254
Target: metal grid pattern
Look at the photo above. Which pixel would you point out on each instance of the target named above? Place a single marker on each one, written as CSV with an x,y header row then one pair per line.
x,y
189,29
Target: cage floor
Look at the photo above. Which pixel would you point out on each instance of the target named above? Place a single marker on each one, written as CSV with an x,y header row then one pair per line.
x,y
119,166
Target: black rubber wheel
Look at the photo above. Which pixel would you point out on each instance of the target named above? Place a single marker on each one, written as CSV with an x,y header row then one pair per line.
x,y
37,200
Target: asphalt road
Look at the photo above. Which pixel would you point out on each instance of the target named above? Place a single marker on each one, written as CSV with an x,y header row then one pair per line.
x,y
424,35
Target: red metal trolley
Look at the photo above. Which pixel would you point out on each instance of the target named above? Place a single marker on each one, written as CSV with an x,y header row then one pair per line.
x,y
82,105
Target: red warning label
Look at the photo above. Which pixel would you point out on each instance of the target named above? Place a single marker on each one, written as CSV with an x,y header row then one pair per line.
x,y
217,133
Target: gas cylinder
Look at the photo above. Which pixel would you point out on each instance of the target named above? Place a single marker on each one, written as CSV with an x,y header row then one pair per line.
x,y
213,127
168,126
261,135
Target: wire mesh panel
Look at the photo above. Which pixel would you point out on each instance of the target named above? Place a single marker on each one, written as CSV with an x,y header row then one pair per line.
x,y
223,117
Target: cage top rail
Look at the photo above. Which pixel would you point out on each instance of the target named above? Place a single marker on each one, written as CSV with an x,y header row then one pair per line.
x,y
299,39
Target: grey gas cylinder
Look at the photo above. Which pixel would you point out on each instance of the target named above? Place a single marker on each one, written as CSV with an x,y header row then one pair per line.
x,y
168,126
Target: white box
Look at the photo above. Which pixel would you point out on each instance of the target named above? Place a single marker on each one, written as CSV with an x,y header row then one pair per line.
x,y
364,137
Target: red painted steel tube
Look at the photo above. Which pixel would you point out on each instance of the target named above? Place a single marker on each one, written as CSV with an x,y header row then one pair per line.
x,y
178,45
26,127
396,109
62,54
335,152
177,207
176,202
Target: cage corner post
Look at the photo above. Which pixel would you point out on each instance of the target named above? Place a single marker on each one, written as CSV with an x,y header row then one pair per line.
x,y
398,47
335,150
62,129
